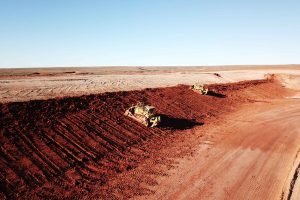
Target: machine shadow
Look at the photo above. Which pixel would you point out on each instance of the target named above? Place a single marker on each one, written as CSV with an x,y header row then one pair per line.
x,y
215,94
172,123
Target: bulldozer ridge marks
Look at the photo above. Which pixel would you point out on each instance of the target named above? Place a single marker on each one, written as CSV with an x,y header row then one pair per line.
x,y
52,146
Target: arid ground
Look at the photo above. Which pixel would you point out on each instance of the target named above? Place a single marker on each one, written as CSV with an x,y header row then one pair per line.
x,y
63,133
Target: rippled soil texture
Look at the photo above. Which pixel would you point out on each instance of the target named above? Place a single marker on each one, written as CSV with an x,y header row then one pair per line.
x,y
65,147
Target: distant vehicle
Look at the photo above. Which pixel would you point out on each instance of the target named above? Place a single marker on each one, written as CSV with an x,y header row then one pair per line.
x,y
144,114
200,88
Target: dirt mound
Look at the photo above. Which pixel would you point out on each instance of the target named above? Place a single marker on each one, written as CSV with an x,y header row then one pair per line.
x,y
289,81
63,147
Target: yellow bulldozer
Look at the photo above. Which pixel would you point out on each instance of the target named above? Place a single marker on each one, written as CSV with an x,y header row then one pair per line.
x,y
200,88
144,114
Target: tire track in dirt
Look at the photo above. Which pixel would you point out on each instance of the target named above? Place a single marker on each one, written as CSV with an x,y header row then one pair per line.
x,y
292,180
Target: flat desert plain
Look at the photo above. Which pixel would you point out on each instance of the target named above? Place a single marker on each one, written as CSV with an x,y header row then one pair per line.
x,y
64,135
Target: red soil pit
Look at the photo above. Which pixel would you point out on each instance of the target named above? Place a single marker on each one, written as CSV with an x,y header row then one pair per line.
x,y
65,147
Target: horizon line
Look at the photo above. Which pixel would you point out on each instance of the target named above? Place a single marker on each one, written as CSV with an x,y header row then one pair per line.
x,y
129,66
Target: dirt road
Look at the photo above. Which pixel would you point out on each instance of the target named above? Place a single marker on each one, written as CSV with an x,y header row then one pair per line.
x,y
252,162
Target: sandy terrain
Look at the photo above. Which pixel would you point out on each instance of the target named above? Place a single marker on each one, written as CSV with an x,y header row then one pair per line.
x,y
43,84
248,164
243,144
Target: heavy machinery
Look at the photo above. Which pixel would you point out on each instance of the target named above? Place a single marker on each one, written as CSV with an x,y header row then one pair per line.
x,y
200,88
144,114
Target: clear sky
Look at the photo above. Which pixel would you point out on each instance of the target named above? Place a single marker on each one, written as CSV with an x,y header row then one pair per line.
x,y
36,33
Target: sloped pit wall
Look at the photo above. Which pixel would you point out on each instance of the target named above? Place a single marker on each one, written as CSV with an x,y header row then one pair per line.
x,y
61,147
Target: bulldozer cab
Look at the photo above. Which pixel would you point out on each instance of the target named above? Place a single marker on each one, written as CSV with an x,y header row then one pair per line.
x,y
198,86
145,110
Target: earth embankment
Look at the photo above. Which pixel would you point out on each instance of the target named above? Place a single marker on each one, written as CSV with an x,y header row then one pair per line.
x,y
65,147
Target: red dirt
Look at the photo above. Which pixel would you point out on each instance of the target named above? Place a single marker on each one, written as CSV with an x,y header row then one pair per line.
x,y
68,147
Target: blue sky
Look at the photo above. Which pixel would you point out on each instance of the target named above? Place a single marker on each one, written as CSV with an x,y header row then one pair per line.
x,y
37,33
